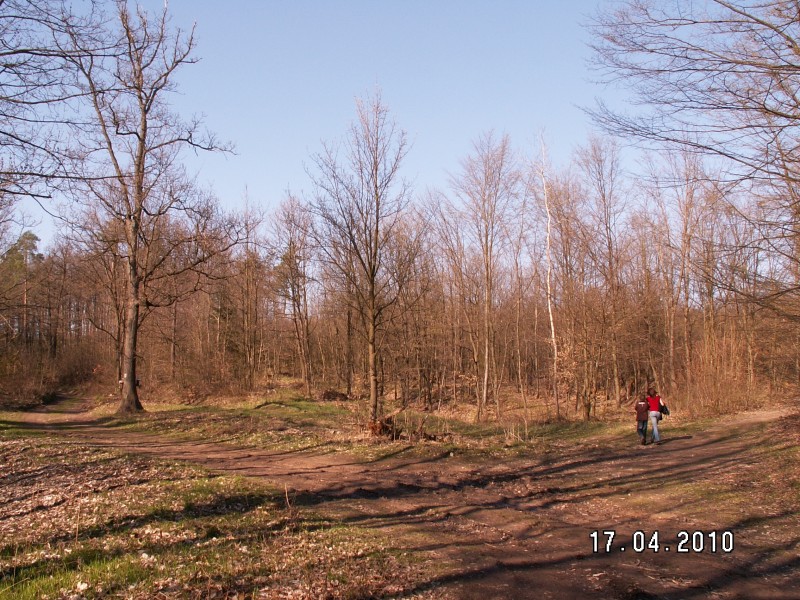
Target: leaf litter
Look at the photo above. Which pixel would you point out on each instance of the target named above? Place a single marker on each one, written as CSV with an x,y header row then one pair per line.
x,y
81,522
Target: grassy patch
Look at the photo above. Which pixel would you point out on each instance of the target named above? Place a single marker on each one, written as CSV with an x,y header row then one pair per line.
x,y
284,424
285,420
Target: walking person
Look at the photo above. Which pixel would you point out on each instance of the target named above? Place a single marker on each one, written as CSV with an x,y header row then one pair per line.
x,y
642,414
654,405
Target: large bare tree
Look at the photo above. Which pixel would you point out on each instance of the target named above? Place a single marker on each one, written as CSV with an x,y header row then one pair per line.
x,y
126,151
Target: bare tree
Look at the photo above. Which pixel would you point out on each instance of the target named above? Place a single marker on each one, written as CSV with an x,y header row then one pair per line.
x,y
485,192
540,177
294,249
719,78
103,263
126,150
599,161
525,266
359,203
715,75
32,96
460,267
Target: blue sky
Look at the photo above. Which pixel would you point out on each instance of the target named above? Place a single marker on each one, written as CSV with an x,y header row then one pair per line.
x,y
276,78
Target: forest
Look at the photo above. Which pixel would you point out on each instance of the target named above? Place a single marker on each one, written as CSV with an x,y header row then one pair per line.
x,y
519,292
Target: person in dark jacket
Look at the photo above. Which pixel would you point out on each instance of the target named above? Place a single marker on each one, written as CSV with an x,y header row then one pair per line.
x,y
642,414
654,405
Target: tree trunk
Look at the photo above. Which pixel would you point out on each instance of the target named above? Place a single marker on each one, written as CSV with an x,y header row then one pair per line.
x,y
348,367
130,393
486,345
372,358
173,346
550,296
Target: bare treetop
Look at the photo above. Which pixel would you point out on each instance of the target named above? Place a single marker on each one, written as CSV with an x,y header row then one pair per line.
x,y
714,76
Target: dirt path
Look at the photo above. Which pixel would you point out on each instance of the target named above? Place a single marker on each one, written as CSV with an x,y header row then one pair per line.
x,y
521,528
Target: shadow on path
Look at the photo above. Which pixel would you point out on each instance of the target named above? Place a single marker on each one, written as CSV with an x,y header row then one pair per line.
x,y
502,528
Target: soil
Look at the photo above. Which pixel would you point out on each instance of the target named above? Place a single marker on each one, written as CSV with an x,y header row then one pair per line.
x,y
521,527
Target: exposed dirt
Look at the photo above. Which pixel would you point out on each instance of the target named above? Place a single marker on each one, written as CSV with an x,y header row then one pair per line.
x,y
521,528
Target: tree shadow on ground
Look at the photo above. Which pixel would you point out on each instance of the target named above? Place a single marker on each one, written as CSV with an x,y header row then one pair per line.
x,y
524,525
219,506
430,507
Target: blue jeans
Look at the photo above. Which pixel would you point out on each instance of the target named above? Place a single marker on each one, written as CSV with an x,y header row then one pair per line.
x,y
641,429
654,414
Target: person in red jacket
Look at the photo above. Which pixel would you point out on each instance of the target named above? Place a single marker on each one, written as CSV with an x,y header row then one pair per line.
x,y
654,405
642,414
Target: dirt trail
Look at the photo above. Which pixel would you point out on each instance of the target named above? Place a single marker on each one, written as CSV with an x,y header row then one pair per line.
x,y
520,528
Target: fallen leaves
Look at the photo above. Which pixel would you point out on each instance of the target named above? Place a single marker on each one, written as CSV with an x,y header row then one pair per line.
x,y
80,522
